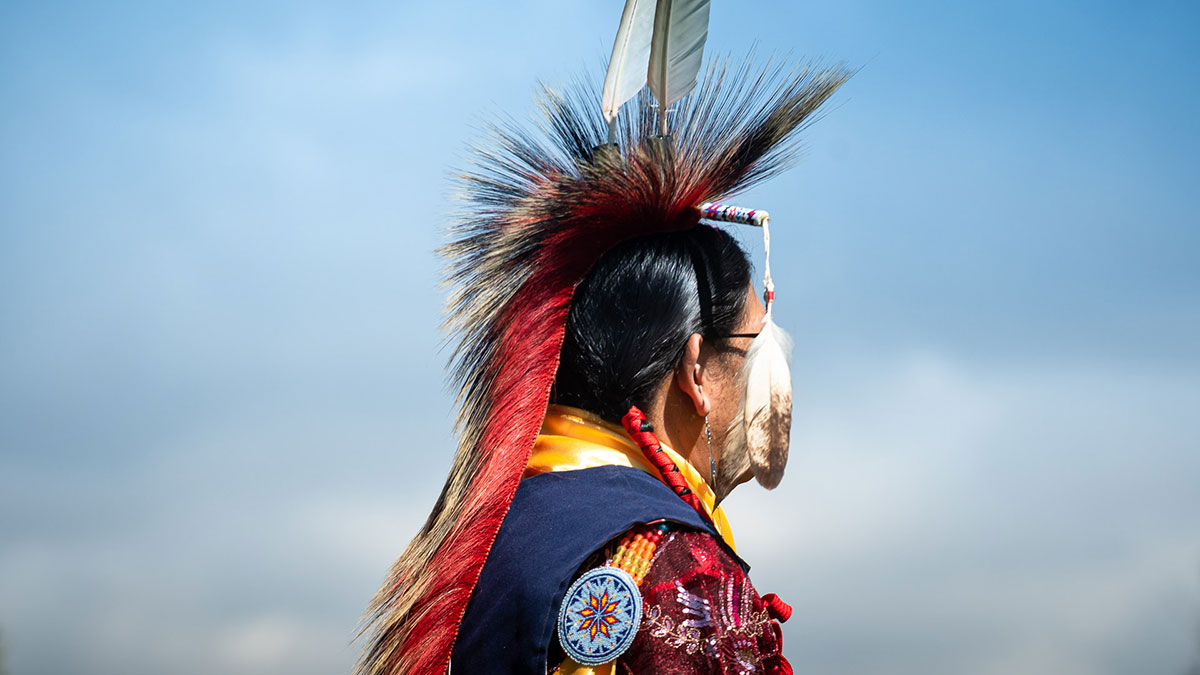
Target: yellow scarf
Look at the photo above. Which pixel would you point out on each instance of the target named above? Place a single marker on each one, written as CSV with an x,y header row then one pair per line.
x,y
573,439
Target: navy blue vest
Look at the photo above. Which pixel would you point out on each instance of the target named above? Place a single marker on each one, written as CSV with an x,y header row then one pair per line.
x,y
556,521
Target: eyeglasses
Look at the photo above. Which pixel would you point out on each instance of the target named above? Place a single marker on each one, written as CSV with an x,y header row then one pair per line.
x,y
737,335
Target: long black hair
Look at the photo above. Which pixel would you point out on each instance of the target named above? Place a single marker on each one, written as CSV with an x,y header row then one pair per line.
x,y
631,316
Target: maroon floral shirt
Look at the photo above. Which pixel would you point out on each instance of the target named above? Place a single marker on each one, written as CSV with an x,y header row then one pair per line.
x,y
701,614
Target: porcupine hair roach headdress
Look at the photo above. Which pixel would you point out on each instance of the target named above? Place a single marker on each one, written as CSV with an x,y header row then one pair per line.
x,y
541,207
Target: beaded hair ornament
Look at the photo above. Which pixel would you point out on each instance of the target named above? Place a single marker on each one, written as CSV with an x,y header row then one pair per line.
x,y
541,205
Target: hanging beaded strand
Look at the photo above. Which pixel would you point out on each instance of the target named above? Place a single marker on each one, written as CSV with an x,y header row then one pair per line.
x,y
635,552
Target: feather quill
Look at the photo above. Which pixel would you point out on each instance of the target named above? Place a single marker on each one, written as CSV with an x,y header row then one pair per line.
x,y
676,49
768,403
629,63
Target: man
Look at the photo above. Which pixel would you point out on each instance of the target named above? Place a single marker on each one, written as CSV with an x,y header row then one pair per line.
x,y
618,376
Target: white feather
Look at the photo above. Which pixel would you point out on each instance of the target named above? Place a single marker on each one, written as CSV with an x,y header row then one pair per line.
x,y
676,49
627,67
768,403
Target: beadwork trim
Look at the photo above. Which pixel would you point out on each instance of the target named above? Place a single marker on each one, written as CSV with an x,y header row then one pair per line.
x,y
635,552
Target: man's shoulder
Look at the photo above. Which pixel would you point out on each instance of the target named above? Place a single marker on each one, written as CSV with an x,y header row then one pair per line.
x,y
687,555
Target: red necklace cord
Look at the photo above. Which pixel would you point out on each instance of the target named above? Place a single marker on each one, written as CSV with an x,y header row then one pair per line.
x,y
642,433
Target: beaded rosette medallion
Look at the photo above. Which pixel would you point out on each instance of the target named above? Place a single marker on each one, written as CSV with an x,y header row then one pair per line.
x,y
600,616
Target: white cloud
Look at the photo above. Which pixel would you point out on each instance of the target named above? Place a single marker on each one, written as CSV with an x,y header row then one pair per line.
x,y
944,517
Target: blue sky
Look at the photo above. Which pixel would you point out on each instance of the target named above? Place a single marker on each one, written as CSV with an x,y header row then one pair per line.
x,y
221,410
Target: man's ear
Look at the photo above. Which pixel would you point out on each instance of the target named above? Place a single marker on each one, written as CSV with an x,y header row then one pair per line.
x,y
691,377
